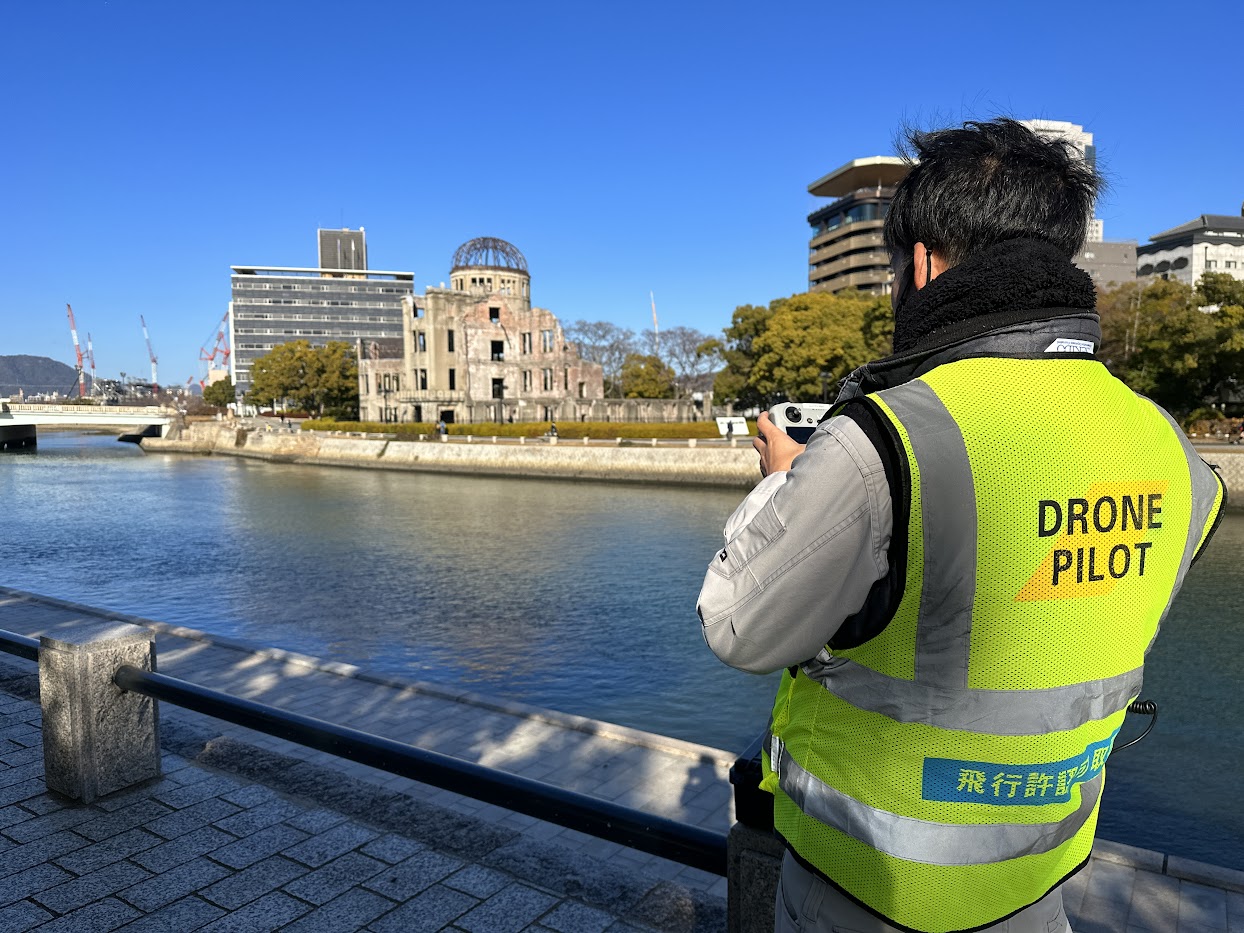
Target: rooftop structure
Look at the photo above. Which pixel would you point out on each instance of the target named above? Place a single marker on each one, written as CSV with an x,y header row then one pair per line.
x,y
846,250
1210,243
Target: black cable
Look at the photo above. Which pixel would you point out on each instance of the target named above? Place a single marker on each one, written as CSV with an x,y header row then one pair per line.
x,y
1146,707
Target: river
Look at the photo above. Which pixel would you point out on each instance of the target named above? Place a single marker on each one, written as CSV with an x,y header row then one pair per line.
x,y
574,596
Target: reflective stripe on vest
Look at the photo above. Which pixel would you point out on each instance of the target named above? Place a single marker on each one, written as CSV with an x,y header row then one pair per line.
x,y
926,841
1028,712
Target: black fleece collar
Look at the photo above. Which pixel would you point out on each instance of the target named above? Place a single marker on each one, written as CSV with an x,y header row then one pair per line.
x,y
1014,275
1030,296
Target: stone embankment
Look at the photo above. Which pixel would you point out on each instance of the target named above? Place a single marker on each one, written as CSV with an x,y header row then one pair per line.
x,y
627,462
636,462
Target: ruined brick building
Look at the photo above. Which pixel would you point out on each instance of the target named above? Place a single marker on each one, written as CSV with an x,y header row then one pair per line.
x,y
479,351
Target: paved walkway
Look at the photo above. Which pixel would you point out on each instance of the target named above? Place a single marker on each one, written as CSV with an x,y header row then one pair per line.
x,y
246,832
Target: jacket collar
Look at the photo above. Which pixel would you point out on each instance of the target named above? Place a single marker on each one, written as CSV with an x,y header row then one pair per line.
x,y
1022,335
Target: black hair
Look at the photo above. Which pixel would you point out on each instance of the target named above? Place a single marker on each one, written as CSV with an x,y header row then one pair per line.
x,y
972,187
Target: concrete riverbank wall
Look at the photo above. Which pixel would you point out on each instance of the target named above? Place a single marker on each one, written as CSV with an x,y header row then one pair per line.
x,y
700,466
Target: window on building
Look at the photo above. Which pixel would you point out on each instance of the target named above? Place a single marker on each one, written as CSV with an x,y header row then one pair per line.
x,y
548,380
526,380
421,342
397,383
498,350
546,341
566,379
423,379
1211,264
453,380
366,384
582,390
494,315
1229,264
525,342
498,388
450,334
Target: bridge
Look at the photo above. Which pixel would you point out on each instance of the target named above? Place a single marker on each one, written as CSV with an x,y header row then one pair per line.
x,y
19,421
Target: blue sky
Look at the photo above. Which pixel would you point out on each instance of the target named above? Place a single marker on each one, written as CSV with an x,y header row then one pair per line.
x,y
623,147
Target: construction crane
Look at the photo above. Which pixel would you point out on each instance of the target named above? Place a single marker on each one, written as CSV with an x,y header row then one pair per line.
x,y
73,329
155,387
90,356
219,349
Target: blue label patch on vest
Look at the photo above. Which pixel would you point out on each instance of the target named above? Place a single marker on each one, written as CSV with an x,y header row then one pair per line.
x,y
955,781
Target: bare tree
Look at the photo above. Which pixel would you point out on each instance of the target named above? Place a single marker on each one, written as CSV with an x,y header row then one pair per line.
x,y
692,354
606,344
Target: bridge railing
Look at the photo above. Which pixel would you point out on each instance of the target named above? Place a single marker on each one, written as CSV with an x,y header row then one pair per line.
x,y
158,411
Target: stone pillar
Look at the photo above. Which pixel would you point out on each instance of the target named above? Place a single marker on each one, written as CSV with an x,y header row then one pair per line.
x,y
753,863
753,849
97,738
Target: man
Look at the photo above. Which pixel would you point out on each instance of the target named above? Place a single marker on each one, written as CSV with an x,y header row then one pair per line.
x,y
963,570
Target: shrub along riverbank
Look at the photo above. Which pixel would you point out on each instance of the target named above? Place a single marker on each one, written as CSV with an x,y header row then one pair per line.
x,y
601,430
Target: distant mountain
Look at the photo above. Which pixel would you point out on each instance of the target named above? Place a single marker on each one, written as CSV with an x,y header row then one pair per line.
x,y
37,375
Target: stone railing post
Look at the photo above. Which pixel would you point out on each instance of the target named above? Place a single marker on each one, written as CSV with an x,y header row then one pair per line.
x,y
753,850
97,738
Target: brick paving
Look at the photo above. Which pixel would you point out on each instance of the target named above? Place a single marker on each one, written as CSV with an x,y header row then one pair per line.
x,y
245,832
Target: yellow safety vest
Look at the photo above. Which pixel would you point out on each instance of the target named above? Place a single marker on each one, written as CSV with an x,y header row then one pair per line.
x,y
947,772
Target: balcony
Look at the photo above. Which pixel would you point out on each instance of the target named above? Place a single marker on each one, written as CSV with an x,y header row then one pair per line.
x,y
843,231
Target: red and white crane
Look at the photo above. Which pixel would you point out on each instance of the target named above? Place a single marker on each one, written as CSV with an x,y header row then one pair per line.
x,y
73,329
155,387
220,349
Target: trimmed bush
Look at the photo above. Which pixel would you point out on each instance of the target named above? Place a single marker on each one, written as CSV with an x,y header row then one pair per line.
x,y
571,430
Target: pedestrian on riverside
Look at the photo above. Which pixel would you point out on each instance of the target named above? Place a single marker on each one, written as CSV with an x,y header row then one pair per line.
x,y
963,570
441,428
552,429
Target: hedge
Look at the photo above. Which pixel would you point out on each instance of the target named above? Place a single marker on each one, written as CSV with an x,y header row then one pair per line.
x,y
601,430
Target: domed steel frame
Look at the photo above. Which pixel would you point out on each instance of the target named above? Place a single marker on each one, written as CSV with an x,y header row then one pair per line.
x,y
488,252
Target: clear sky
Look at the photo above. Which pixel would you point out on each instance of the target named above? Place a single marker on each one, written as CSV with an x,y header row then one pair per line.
x,y
623,147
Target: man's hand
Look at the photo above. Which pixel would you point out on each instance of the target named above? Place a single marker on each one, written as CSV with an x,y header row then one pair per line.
x,y
776,448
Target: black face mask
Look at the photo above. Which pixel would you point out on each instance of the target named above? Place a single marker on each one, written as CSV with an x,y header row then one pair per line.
x,y
904,284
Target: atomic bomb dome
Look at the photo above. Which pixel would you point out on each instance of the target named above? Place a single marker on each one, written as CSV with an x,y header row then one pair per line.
x,y
488,252
490,265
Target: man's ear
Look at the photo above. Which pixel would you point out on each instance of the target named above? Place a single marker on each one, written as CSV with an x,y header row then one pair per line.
x,y
926,265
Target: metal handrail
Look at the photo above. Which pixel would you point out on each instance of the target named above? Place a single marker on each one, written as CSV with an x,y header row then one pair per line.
x,y
679,842
20,645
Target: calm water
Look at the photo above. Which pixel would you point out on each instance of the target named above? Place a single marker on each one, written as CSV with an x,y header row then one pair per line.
x,y
578,597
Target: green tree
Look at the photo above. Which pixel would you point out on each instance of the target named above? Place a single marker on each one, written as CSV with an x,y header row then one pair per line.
x,y
334,382
322,380
1225,293
220,393
782,351
1156,340
645,376
733,381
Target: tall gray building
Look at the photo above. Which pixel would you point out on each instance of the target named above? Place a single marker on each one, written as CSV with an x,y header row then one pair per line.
x,y
341,299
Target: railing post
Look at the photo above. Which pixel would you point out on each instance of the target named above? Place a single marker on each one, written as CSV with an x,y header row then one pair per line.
x,y
96,737
753,850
